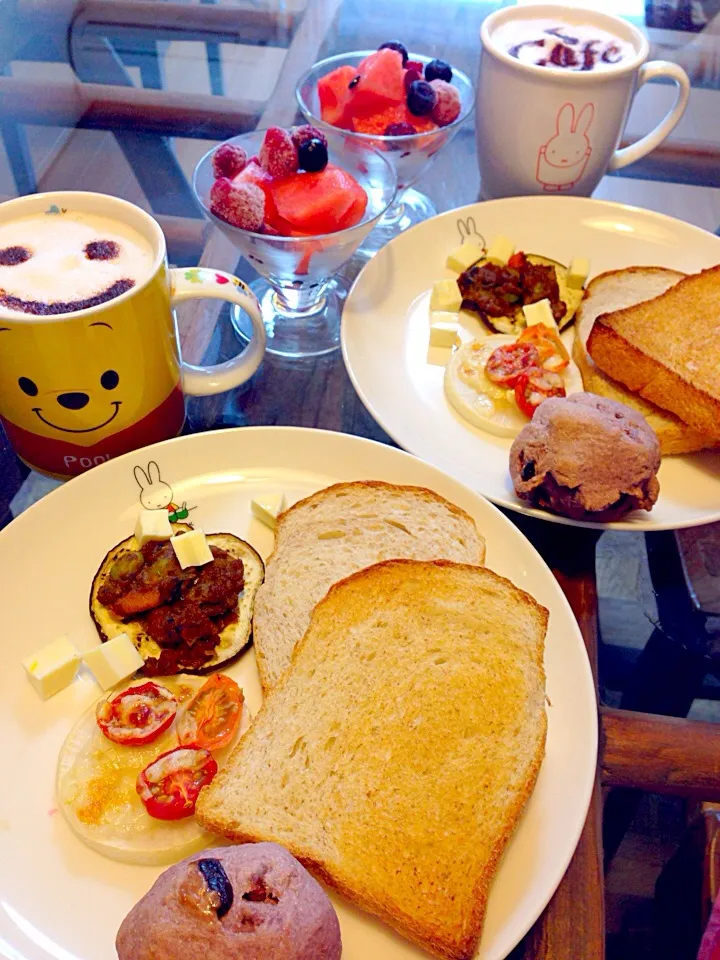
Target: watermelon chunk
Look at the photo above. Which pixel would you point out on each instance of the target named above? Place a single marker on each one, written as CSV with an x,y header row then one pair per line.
x,y
334,95
316,202
381,83
355,211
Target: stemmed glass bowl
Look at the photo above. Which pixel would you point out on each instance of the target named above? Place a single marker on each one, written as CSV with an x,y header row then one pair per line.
x,y
299,289
410,154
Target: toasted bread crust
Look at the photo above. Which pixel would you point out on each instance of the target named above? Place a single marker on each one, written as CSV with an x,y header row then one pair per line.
x,y
652,380
351,881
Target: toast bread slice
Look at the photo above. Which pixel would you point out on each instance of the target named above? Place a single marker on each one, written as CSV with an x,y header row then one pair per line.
x,y
338,531
666,349
396,755
615,290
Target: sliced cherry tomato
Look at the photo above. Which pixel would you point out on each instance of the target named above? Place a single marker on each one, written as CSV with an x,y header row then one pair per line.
x,y
212,717
170,785
547,342
137,715
537,385
506,363
517,260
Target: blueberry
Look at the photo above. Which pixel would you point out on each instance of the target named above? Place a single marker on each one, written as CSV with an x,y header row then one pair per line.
x,y
438,70
421,98
312,155
396,45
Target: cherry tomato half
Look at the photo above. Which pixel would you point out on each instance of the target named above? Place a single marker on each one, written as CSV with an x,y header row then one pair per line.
x,y
138,715
506,363
517,260
170,785
537,385
212,717
547,342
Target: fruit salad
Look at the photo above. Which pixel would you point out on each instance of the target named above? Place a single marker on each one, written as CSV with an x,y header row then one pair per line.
x,y
289,189
388,94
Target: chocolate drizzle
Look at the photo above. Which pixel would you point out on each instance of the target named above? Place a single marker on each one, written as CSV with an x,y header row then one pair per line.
x,y
41,308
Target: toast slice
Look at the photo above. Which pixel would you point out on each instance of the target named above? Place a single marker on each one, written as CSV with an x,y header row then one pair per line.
x,y
396,756
615,290
666,349
338,531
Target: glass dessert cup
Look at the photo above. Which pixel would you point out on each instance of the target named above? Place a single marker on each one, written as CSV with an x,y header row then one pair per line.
x,y
299,289
410,155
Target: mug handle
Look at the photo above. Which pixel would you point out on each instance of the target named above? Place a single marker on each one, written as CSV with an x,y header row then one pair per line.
x,y
200,282
648,71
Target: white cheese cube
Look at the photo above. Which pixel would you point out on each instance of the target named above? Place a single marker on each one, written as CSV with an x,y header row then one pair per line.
x,y
191,549
500,251
268,507
464,256
539,313
52,668
445,296
444,334
443,316
578,272
113,661
152,525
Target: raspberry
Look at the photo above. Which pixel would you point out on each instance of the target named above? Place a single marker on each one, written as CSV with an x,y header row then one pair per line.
x,y
399,130
438,70
242,204
278,154
415,65
420,98
306,132
411,75
447,103
228,160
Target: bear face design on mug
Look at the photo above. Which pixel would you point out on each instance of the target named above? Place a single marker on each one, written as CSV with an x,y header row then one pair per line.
x,y
561,161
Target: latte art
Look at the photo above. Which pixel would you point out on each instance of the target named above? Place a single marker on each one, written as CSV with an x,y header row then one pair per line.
x,y
553,44
56,263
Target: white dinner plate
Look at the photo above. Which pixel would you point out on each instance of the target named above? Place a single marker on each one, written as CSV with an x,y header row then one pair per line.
x,y
59,899
385,337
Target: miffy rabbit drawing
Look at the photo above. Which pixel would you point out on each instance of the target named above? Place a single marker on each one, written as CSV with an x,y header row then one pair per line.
x,y
562,160
155,494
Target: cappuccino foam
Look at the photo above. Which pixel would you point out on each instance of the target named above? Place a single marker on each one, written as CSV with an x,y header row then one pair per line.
x,y
55,263
558,45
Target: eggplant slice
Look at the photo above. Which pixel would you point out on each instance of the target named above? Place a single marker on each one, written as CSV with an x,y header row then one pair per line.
x,y
515,325
233,639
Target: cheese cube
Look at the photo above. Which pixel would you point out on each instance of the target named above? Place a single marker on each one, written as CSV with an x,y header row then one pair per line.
x,y
500,251
444,334
540,312
445,296
113,661
152,525
578,272
52,668
464,257
191,549
267,508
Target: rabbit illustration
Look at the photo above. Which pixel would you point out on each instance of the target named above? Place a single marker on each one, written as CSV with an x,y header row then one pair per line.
x,y
155,494
469,233
562,160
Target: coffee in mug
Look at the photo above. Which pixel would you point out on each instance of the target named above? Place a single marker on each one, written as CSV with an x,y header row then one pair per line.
x,y
555,88
90,363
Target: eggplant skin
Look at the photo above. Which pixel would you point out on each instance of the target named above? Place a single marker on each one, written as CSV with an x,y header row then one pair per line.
x,y
233,639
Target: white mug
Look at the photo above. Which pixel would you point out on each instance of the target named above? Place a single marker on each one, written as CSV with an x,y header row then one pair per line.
x,y
554,131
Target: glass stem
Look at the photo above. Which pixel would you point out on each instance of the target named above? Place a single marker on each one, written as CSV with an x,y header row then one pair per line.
x,y
302,301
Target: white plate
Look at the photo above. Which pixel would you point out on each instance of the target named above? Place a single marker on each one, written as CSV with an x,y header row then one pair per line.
x,y
58,898
385,337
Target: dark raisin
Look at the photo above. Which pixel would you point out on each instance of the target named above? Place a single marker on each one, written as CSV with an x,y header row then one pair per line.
x,y
528,470
218,881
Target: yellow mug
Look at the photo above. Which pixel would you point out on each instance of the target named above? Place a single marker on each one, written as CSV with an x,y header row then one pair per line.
x,y
80,387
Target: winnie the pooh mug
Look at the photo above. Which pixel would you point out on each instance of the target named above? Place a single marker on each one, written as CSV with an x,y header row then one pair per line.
x,y
90,363
555,88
